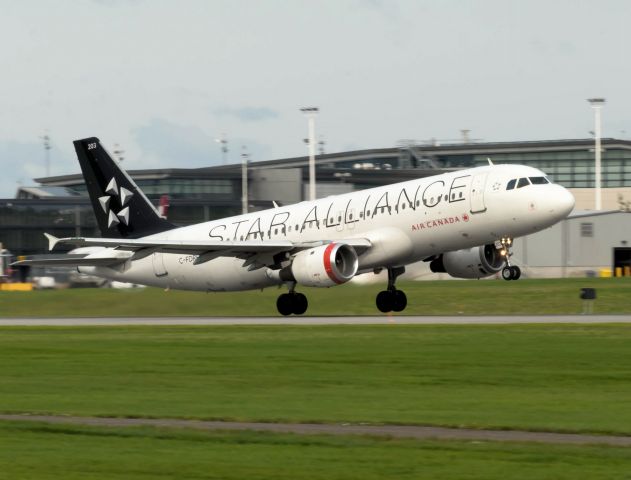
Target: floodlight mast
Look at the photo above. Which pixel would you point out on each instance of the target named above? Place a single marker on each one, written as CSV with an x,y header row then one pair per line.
x,y
311,113
223,141
245,158
47,147
597,104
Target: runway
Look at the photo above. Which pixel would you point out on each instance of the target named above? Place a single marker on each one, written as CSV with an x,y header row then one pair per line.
x,y
306,320
392,431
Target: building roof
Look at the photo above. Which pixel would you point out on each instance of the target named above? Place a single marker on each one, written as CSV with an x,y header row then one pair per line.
x,y
45,191
329,160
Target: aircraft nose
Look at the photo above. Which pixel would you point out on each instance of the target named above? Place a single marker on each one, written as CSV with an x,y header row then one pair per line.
x,y
563,201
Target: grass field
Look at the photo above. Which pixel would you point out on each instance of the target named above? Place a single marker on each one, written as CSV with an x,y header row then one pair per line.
x,y
58,452
548,377
424,298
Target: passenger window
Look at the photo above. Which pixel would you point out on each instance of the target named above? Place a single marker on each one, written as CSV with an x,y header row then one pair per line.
x,y
523,182
511,184
538,180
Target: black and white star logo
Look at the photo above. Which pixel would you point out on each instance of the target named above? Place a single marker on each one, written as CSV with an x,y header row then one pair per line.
x,y
124,196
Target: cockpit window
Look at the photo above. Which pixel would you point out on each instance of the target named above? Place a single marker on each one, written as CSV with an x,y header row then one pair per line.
x,y
523,182
538,180
511,184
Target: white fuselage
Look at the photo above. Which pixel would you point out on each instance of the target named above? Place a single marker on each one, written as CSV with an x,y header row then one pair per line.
x,y
405,222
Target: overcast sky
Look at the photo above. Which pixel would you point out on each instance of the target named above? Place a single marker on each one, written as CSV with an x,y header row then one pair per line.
x,y
164,79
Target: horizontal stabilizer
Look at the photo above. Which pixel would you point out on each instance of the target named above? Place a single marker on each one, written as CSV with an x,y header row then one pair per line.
x,y
52,240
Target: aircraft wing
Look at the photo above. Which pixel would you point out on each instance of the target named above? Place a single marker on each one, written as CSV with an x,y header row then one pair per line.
x,y
105,258
177,246
69,261
192,246
259,252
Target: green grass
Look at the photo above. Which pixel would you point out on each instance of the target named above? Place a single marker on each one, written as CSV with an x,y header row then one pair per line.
x,y
30,451
542,377
425,298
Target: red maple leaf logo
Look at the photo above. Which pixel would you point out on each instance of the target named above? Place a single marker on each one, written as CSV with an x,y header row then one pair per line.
x,y
465,217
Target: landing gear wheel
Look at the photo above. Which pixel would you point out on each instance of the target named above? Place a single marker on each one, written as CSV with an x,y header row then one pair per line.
x,y
300,303
289,303
385,301
284,304
400,301
392,299
511,273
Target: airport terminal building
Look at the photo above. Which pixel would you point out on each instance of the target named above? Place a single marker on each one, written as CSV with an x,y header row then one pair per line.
x,y
59,205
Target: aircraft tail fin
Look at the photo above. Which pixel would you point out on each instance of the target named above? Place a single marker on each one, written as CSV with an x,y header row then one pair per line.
x,y
122,210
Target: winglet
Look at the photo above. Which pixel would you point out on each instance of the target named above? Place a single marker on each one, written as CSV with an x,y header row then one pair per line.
x,y
52,240
275,204
489,160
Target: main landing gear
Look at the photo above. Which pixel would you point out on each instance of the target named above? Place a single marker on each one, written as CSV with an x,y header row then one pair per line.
x,y
292,302
509,272
392,300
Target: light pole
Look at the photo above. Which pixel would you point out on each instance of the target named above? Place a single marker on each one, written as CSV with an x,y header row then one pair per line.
x,y
47,147
597,104
311,113
224,147
118,152
321,145
245,157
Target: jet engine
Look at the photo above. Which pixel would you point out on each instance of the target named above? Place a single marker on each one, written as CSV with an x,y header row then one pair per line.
x,y
476,262
322,266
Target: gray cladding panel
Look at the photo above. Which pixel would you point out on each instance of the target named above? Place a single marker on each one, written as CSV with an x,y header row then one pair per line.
x,y
563,243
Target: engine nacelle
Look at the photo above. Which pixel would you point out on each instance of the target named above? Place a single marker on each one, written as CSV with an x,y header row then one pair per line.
x,y
325,266
476,262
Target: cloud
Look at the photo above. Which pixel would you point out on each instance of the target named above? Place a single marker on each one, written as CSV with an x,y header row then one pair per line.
x,y
388,8
23,161
248,114
164,144
167,144
116,3
379,4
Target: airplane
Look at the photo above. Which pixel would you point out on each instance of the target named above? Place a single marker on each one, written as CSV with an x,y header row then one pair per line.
x,y
462,223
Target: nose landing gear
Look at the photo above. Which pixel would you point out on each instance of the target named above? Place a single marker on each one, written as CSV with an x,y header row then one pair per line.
x,y
512,272
509,272
292,302
392,300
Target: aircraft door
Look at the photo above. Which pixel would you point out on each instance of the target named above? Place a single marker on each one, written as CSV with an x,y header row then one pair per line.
x,y
159,267
477,193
